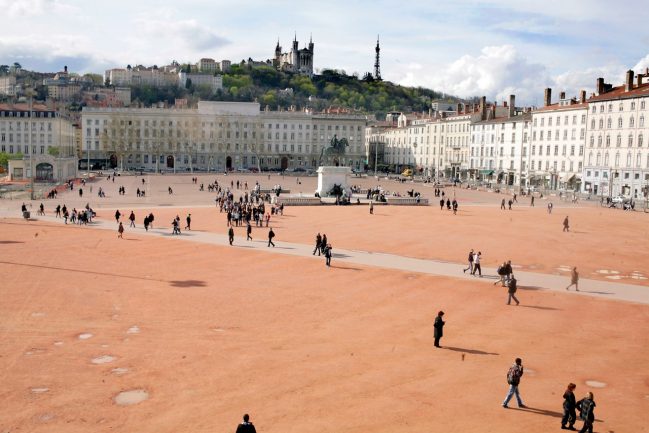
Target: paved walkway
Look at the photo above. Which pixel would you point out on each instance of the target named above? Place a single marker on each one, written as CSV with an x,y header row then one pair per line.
x,y
527,280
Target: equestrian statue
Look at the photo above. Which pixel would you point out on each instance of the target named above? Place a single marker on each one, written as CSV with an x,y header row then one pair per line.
x,y
335,151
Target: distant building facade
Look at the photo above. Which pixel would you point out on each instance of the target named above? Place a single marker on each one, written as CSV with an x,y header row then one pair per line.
x,y
48,131
218,136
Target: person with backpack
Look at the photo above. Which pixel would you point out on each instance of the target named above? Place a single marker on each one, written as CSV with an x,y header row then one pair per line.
x,y
327,253
569,407
513,379
511,290
271,235
470,268
586,408
502,273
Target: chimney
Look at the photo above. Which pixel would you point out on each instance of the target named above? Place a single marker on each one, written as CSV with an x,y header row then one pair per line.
x,y
493,111
548,97
458,108
628,84
582,96
562,96
505,104
639,82
65,69
483,108
512,106
600,86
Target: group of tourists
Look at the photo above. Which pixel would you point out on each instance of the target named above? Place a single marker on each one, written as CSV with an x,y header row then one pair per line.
x,y
323,247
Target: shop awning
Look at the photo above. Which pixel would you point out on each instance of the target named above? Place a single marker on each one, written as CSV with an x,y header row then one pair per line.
x,y
486,172
567,178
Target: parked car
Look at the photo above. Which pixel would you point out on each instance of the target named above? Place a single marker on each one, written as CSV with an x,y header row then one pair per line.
x,y
620,199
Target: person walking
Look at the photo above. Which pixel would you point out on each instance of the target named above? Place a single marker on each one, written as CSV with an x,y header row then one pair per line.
x,y
569,408
586,408
574,279
328,253
58,211
271,235
513,379
248,231
323,243
41,210
120,231
117,215
439,328
131,218
318,244
246,426
476,264
510,203
371,208
454,205
511,290
231,235
189,222
502,273
146,223
441,204
470,267
566,224
502,205
550,205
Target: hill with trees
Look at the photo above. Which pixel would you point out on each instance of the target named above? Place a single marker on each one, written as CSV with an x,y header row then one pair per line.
x,y
276,89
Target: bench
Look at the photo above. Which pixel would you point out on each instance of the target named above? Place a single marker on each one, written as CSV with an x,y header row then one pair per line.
x,y
406,201
297,201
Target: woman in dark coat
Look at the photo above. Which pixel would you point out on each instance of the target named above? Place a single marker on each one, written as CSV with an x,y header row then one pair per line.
x,y
439,328
569,408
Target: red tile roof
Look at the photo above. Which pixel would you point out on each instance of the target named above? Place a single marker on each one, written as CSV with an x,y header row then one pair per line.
x,y
23,107
558,107
619,93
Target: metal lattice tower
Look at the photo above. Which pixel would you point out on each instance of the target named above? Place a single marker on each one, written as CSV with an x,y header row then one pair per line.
x,y
377,62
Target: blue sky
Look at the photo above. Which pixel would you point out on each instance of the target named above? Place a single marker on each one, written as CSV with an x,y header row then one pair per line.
x,y
463,47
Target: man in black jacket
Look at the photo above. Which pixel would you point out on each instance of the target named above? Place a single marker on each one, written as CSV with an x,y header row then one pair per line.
x,y
246,426
439,327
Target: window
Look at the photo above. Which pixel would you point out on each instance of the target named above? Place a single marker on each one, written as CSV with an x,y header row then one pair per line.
x,y
630,141
631,122
619,122
609,122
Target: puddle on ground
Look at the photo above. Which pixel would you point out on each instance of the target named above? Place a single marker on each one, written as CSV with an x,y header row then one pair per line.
x,y
45,417
564,268
133,330
119,371
40,390
85,336
58,343
595,384
104,359
606,271
128,398
613,277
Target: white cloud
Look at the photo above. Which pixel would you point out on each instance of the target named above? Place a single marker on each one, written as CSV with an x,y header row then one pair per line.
x,y
22,8
496,73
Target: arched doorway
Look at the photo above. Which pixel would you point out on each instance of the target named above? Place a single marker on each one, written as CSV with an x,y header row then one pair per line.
x,y
113,161
44,171
170,161
228,163
284,163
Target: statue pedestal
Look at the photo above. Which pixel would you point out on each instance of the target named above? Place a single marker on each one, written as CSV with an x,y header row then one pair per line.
x,y
328,176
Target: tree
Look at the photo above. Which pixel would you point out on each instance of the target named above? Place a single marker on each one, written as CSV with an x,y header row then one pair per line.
x,y
4,69
54,151
107,82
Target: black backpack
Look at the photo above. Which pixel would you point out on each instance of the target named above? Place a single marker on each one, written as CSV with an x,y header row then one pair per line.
x,y
586,409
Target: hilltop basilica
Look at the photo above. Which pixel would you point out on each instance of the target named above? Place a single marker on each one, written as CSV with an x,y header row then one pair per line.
x,y
296,61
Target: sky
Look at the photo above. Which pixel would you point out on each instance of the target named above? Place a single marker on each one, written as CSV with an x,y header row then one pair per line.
x,y
461,47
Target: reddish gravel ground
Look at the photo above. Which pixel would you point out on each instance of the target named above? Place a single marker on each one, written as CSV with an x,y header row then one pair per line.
x,y
212,332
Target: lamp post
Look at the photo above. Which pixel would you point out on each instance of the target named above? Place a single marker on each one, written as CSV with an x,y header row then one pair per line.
x,y
31,153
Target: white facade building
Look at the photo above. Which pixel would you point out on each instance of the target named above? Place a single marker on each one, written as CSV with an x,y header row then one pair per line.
x,y
617,152
556,152
50,141
217,136
214,82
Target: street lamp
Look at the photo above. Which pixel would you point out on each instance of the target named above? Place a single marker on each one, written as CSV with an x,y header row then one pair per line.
x,y
31,153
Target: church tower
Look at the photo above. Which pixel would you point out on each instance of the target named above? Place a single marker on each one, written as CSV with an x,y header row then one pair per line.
x,y
377,62
277,62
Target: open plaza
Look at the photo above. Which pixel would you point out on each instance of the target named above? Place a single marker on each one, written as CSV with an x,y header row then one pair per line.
x,y
155,332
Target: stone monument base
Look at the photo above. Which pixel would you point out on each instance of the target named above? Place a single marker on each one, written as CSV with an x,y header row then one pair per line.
x,y
328,176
